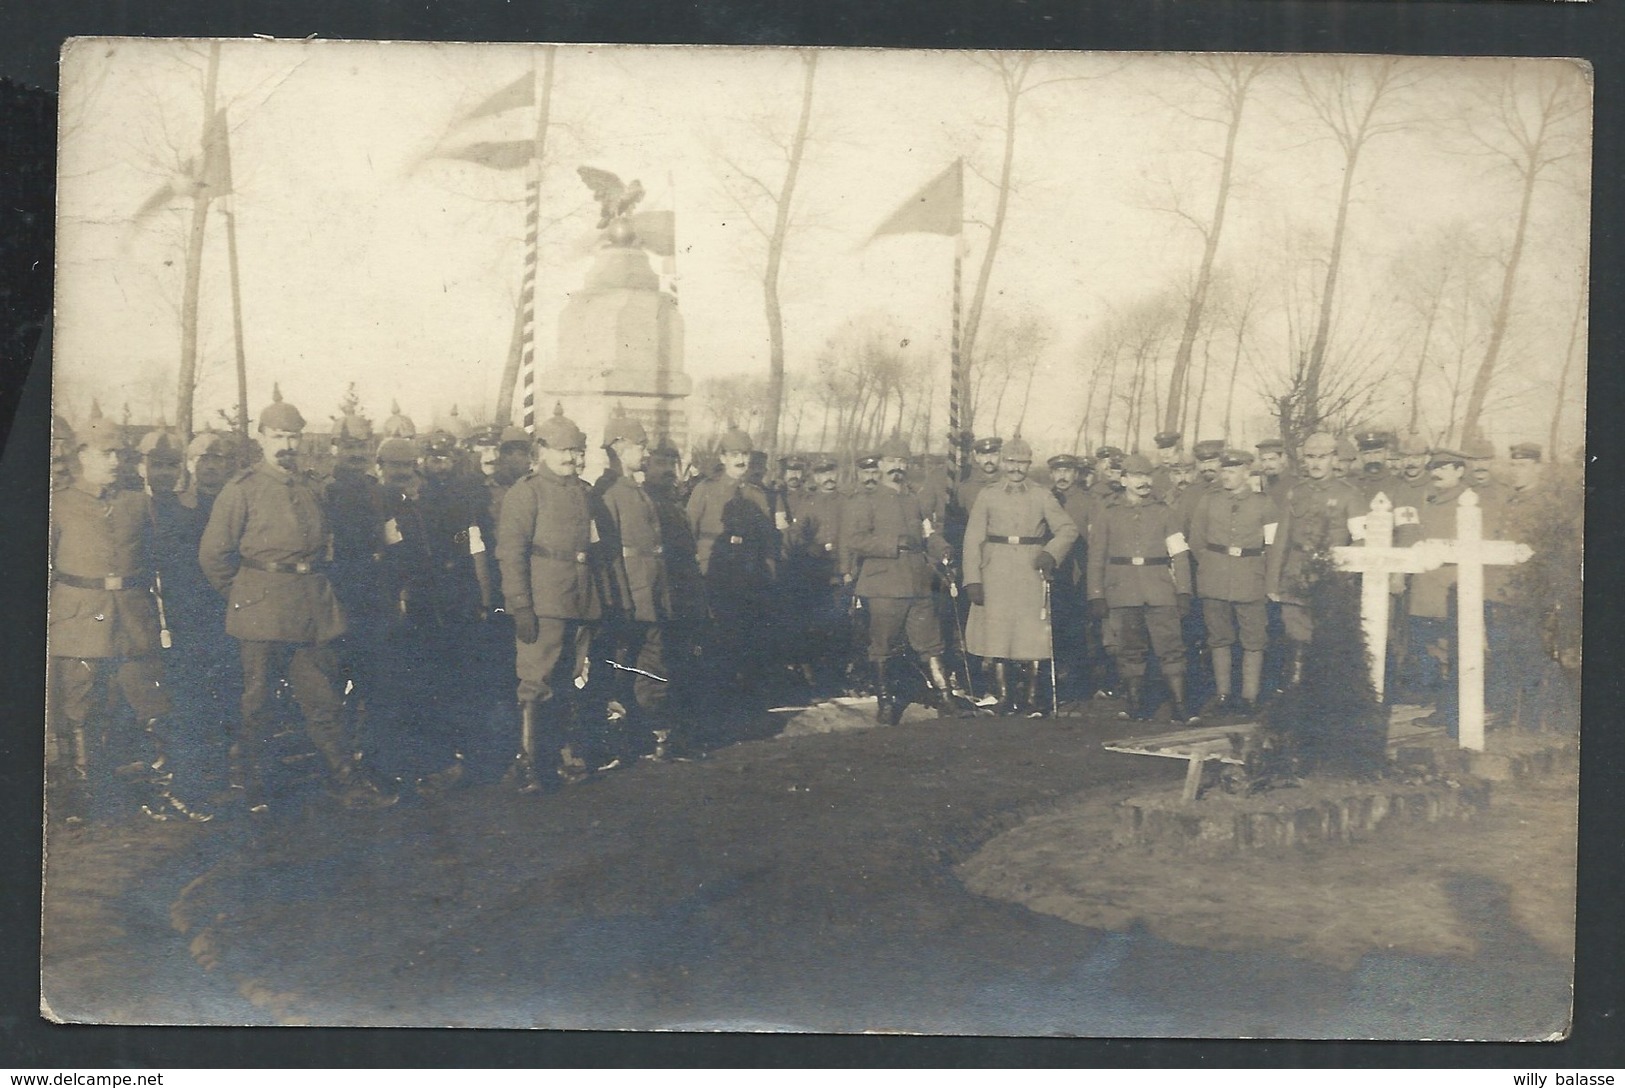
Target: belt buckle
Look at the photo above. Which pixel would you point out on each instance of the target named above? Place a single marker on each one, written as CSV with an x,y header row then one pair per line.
x,y
112,583
1233,550
736,540
829,547
1012,540
581,557
1138,561
301,568
659,549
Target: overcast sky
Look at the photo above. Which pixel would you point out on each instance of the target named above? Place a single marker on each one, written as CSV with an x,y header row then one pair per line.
x,y
366,259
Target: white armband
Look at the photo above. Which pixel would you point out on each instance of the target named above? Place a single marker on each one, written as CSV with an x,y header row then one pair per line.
x,y
1269,534
926,528
476,540
392,532
1357,527
1406,515
781,521
592,531
1176,544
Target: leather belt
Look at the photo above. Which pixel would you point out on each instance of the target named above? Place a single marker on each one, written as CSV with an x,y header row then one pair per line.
x,y
110,582
909,546
644,553
1015,539
564,557
1139,560
1240,553
302,567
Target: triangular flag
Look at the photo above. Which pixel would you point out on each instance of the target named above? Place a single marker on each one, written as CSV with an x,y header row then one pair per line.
x,y
521,92
156,202
939,208
496,154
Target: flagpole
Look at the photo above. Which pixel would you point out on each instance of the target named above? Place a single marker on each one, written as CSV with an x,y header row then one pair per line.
x,y
956,380
230,210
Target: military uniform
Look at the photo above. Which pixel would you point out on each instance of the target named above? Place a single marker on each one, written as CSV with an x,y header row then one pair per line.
x,y
1320,514
1431,601
732,522
1139,566
638,590
1513,629
1229,532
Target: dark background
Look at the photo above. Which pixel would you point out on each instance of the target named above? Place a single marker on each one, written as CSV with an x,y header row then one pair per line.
x,y
32,33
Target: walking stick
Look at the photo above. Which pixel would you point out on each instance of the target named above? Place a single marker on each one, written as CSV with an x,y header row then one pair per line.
x,y
959,625
1049,620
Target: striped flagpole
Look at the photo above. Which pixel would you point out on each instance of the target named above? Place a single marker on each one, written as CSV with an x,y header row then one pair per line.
x,y
956,381
527,299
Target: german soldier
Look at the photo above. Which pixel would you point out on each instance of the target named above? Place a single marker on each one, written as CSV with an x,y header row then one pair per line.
x,y
266,549
1068,612
1140,582
1229,533
1017,535
733,524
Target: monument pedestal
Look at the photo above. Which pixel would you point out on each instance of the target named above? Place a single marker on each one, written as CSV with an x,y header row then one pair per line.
x,y
620,351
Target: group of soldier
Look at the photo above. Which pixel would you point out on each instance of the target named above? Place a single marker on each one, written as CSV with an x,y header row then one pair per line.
x,y
367,602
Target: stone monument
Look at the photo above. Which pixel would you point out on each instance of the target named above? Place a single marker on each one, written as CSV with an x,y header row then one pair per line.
x,y
620,344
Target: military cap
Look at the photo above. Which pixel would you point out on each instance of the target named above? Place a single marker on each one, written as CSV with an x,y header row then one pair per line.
x,y
1479,449
352,428
218,443
440,444
1441,456
1064,460
102,435
1232,458
868,460
1269,444
516,436
825,464
488,435
1412,445
1526,451
1346,449
895,446
1018,449
1111,452
1185,462
1137,464
279,415
1208,448
1371,441
559,433
990,444
794,460
1319,442
1167,440
160,445
624,427
736,441
398,449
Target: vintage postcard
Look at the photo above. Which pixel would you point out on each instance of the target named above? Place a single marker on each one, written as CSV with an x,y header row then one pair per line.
x,y
816,540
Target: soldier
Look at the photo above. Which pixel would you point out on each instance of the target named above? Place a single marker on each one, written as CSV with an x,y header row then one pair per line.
x,y
1207,453
1322,511
1272,466
1016,537
896,536
1139,581
732,522
1170,450
1512,625
63,452
548,544
867,468
1481,472
1229,532
104,631
265,549
639,597
1073,652
162,465
1345,464
1431,603
398,425
985,453
818,551
1108,474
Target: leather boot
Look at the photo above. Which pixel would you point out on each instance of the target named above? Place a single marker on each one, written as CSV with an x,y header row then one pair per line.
x,y
1002,688
1036,708
1131,699
1296,676
356,785
522,776
1252,672
1177,710
883,693
161,803
941,687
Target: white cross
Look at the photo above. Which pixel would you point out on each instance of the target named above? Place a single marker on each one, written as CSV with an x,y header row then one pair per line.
x,y
1470,553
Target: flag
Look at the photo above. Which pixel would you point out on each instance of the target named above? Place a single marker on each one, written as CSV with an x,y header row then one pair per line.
x,y
657,231
521,92
939,208
156,202
497,154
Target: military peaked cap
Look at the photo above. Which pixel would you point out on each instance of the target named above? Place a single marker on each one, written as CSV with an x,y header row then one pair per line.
x,y
1526,451
1167,440
990,444
1208,448
1137,464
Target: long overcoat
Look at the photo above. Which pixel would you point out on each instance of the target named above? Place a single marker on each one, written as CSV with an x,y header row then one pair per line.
x,y
1013,622
98,535
549,548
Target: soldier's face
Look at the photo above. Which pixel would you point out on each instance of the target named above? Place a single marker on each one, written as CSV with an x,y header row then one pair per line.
x,y
825,481
735,463
562,462
281,448
1414,465
1447,476
895,470
211,471
1209,469
1342,466
661,470
1182,474
1015,468
633,455
350,459
397,472
988,462
514,460
869,477
580,459
794,478
1272,462
99,468
1524,471
438,466
162,476
1316,466
1234,477
1372,463
1063,477
1481,473
1137,484
489,456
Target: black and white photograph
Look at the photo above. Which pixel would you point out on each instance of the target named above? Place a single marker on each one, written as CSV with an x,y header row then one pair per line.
x,y
803,539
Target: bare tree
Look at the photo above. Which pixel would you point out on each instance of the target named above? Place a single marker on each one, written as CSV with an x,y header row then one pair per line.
x,y
1538,114
1575,329
1353,98
768,209
1228,79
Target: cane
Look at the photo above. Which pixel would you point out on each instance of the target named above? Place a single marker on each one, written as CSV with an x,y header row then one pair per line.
x,y
959,624
1049,622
